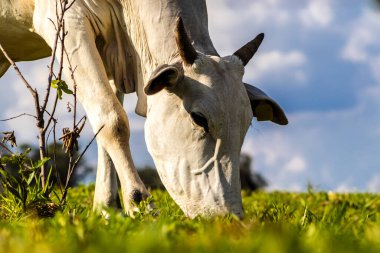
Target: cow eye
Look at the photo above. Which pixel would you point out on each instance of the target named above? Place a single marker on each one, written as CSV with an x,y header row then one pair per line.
x,y
200,120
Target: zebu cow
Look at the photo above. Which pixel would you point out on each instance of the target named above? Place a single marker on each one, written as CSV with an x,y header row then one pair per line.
x,y
198,109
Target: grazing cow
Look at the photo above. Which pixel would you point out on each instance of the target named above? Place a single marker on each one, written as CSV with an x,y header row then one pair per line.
x,y
197,107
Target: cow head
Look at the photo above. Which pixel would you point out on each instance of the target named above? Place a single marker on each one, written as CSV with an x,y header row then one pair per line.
x,y
198,114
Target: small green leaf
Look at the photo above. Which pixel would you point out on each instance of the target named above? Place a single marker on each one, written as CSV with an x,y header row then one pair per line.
x,y
61,87
31,177
27,151
65,88
41,162
67,91
55,84
59,92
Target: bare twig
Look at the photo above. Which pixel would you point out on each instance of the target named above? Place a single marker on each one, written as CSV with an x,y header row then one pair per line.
x,y
60,185
51,67
70,138
59,36
17,70
26,83
4,147
59,29
51,118
69,6
75,100
74,165
9,137
18,116
88,145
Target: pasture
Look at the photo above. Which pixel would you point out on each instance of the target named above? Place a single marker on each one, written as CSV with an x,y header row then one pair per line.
x,y
274,222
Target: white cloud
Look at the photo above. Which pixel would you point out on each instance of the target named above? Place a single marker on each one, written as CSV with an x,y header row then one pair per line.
x,y
328,149
226,14
374,184
363,35
317,14
265,11
345,187
232,23
336,146
296,164
221,16
277,156
355,49
272,152
279,64
277,59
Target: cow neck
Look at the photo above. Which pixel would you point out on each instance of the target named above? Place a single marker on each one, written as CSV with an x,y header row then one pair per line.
x,y
151,29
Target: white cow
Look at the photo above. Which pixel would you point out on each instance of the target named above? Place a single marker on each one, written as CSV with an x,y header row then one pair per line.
x,y
198,109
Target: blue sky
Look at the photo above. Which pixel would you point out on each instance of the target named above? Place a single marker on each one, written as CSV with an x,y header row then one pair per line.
x,y
320,60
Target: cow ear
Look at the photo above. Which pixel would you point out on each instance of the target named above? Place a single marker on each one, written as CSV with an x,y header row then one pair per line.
x,y
265,108
165,76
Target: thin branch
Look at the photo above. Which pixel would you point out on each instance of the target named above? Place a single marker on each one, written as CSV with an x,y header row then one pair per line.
x,y
51,68
84,118
55,159
88,145
75,102
51,21
48,135
17,70
52,113
69,6
72,70
32,91
18,116
61,35
6,148
72,168
59,28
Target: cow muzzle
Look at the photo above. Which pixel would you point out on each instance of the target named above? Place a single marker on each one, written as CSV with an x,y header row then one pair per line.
x,y
211,190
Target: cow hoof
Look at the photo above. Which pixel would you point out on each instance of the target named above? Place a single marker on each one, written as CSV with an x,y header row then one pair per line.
x,y
136,197
140,202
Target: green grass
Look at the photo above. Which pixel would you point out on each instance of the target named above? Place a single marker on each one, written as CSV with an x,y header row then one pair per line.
x,y
274,222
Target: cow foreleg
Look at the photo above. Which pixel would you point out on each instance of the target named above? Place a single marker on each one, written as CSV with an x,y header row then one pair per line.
x,y
106,187
97,98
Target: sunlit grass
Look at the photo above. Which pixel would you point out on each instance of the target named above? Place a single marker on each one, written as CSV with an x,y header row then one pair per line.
x,y
274,222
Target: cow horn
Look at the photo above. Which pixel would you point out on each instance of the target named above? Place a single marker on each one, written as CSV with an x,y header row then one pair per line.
x,y
185,48
246,52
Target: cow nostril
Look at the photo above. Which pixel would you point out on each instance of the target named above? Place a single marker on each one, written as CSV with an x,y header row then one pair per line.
x,y
136,196
200,120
